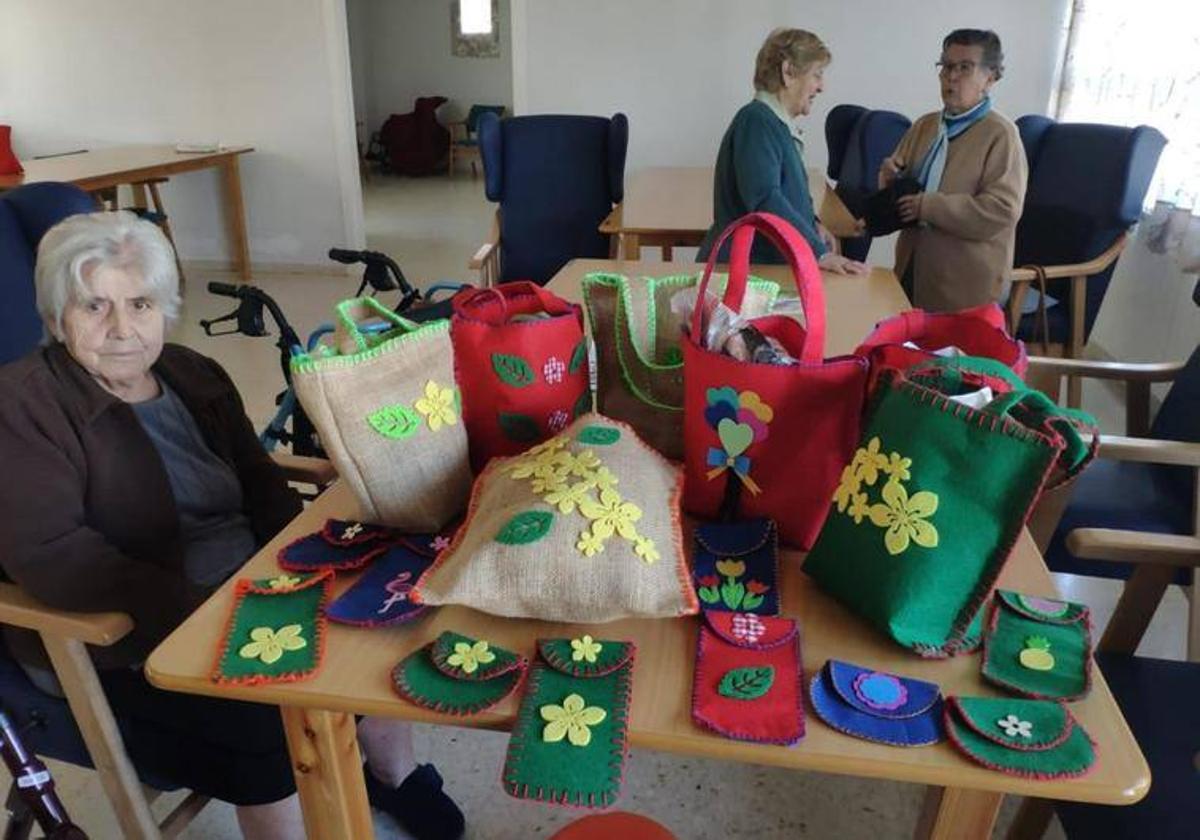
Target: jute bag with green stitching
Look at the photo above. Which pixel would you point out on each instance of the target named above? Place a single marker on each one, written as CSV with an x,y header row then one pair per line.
x,y
639,366
583,527
387,410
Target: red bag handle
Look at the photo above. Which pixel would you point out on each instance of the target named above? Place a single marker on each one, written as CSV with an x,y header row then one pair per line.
x,y
911,324
804,269
491,305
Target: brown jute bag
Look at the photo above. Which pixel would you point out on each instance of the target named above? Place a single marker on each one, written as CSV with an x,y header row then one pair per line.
x,y
639,366
388,413
581,528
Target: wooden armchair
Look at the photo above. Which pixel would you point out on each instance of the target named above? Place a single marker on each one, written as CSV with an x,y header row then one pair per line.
x,y
487,259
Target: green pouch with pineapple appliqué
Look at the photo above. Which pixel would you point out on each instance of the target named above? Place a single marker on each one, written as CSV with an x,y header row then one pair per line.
x,y
1038,647
930,507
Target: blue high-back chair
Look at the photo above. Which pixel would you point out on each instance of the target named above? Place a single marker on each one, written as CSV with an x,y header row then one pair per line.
x,y
26,213
1086,187
555,178
858,140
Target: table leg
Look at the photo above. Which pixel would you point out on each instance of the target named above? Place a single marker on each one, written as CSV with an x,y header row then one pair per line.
x,y
329,773
633,246
235,216
958,814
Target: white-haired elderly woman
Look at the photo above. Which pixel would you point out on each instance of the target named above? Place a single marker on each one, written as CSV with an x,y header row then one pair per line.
x,y
136,484
970,165
760,164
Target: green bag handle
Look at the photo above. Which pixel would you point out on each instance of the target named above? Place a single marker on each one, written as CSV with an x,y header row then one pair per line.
x,y
347,323
949,371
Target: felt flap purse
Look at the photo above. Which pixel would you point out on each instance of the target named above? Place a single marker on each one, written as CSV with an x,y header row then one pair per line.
x,y
747,678
379,597
458,675
1037,739
736,566
879,208
568,743
340,546
877,706
1038,647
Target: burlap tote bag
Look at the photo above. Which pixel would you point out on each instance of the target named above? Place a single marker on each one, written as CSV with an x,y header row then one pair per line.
x,y
639,366
387,410
581,528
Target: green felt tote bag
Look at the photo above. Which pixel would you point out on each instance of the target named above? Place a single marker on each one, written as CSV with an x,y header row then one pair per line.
x,y
935,497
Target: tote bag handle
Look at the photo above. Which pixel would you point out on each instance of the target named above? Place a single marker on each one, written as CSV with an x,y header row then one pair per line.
x,y
348,333
804,269
491,306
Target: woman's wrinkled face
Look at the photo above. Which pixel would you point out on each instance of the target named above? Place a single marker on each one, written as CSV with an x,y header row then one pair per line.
x,y
964,78
115,331
801,88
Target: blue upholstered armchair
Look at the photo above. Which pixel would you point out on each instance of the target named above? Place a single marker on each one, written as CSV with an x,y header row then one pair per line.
x,y
555,179
858,141
25,214
1086,188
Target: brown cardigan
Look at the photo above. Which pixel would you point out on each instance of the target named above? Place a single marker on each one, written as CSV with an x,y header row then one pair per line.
x,y
87,518
963,253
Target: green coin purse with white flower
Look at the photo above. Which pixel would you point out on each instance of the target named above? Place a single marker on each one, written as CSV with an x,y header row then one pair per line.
x,y
1037,739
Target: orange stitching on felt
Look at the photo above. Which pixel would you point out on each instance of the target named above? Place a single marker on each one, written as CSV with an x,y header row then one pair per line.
x,y
404,690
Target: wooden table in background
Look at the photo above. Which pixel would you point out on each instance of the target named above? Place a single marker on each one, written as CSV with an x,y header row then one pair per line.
x,y
672,206
318,713
104,168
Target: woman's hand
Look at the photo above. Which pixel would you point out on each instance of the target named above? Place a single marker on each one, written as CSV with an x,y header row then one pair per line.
x,y
831,242
909,207
841,265
889,169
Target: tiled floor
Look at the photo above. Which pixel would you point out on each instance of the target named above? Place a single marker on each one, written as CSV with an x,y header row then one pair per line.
x,y
431,226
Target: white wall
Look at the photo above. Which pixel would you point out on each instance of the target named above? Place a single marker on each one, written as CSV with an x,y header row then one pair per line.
x,y
679,69
77,74
400,50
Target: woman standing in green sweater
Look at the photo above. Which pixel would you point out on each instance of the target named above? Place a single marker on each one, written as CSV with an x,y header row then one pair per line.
x,y
760,166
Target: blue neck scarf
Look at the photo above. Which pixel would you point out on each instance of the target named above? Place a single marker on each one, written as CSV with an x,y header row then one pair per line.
x,y
929,173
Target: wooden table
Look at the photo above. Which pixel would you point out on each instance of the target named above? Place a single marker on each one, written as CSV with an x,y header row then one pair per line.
x,y
673,205
319,713
105,168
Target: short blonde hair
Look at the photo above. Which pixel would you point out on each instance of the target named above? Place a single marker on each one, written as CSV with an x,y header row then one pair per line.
x,y
798,46
89,240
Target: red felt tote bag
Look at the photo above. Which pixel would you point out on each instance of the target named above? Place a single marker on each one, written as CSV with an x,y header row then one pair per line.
x,y
520,359
769,440
978,331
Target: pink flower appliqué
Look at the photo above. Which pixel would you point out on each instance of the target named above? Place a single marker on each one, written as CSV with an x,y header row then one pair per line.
x,y
553,370
558,421
748,628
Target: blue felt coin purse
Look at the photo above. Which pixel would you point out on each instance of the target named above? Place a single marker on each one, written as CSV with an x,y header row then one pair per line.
x,y
877,706
380,596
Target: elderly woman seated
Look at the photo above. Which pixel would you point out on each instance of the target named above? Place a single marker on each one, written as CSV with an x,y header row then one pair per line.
x,y
136,484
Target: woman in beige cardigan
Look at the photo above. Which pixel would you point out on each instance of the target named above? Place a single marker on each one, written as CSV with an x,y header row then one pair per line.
x,y
971,165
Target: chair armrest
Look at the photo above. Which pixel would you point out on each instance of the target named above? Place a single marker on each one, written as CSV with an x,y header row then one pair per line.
x,y
23,610
1134,547
481,256
1149,450
316,471
457,129
1083,269
1124,371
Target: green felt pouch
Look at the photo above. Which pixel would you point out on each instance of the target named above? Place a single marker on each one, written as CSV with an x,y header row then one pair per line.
x,y
458,675
1038,647
1037,739
569,741
928,510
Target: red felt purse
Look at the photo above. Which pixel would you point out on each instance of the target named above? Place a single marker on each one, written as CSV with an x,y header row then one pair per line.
x,y
979,331
766,440
520,359
9,165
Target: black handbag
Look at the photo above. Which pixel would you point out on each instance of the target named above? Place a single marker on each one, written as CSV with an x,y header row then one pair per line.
x,y
879,209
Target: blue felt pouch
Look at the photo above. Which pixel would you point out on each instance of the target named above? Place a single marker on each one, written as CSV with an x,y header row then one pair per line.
x,y
380,596
339,545
736,566
877,706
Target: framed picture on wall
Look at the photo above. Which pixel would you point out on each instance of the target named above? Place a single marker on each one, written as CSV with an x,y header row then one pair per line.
x,y
475,28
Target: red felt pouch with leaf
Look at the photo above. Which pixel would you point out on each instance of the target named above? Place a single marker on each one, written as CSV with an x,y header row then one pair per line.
x,y
521,363
747,679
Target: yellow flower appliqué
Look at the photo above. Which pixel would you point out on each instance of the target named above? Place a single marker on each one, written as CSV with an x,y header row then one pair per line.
x,y
847,488
437,405
731,568
611,514
600,478
897,467
859,508
470,657
283,582
585,649
904,517
571,719
644,547
566,498
868,461
582,464
590,544
269,645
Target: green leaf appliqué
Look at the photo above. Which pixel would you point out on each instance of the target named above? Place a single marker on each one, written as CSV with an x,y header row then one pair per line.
x,y
526,527
519,427
599,435
578,357
512,370
746,683
395,421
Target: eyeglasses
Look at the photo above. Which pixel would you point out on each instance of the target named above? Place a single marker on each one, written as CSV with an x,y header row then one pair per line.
x,y
951,68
